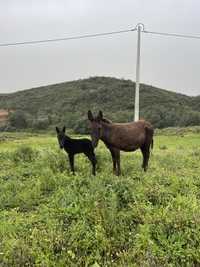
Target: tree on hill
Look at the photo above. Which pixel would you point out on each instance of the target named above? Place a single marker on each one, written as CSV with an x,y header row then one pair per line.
x,y
18,120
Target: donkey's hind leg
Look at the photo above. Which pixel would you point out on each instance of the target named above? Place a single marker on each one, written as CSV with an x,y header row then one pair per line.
x,y
145,152
116,160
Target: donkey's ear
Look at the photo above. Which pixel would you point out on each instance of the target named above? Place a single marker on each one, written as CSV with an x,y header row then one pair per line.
x,y
57,130
90,116
64,129
100,115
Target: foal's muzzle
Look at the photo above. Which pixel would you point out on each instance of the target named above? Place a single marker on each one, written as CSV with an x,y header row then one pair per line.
x,y
61,145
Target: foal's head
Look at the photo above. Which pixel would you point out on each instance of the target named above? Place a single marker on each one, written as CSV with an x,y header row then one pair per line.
x,y
61,136
96,127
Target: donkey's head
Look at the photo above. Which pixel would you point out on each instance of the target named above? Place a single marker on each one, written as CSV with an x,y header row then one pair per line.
x,y
96,127
61,136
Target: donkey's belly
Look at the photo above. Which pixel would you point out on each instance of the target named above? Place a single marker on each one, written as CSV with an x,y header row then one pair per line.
x,y
125,147
128,148
129,144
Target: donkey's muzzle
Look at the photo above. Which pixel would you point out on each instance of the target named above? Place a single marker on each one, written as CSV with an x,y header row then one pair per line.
x,y
95,144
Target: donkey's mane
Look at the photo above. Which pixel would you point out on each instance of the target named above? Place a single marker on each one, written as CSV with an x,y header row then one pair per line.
x,y
106,120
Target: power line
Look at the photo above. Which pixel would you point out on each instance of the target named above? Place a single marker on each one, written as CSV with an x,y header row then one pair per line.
x,y
98,35
67,38
173,34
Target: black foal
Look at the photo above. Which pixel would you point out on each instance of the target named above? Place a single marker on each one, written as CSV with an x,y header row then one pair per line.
x,y
75,146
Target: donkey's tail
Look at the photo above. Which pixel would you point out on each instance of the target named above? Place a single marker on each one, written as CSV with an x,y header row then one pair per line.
x,y
149,136
152,144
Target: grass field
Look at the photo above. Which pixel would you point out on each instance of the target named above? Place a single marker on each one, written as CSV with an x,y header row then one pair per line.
x,y
48,217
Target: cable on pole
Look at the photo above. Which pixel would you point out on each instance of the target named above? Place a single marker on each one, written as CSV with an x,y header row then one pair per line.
x,y
173,34
67,38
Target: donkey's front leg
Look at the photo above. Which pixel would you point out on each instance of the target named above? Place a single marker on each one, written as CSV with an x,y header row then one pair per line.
x,y
71,161
116,160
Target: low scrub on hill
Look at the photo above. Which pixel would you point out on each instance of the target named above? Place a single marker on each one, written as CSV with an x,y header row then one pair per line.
x,y
68,103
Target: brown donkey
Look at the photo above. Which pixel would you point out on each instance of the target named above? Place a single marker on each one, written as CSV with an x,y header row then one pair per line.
x,y
122,136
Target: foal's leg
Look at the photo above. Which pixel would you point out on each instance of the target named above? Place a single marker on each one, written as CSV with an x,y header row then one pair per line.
x,y
71,161
94,162
91,156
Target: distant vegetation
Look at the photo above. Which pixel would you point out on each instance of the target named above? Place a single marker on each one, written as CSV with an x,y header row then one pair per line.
x,y
67,103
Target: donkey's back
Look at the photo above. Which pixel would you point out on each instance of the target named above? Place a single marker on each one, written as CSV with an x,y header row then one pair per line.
x,y
131,136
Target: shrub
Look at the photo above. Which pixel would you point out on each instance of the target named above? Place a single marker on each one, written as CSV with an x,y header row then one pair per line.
x,y
18,120
17,254
24,154
41,124
81,127
163,147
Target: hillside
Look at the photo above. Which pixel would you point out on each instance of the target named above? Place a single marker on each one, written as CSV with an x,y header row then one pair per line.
x,y
67,103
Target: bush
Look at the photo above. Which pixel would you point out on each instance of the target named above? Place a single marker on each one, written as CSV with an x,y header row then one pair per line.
x,y
82,127
18,120
40,124
24,154
17,254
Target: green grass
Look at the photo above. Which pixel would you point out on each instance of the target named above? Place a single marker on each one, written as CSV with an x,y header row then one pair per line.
x,y
48,217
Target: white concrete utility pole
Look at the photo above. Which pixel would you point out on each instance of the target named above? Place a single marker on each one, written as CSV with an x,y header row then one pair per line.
x,y
139,27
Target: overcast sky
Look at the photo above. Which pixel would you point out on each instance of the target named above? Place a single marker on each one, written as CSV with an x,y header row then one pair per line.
x,y
169,63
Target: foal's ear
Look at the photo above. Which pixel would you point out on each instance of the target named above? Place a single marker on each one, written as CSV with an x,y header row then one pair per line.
x,y
90,116
57,130
100,115
64,129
